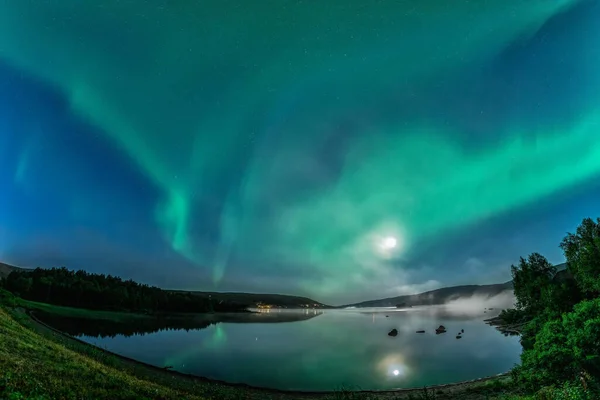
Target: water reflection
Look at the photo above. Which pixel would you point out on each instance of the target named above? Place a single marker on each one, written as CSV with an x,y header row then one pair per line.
x,y
139,326
330,349
394,366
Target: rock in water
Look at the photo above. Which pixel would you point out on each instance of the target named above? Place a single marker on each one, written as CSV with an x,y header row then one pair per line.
x,y
393,332
420,331
458,336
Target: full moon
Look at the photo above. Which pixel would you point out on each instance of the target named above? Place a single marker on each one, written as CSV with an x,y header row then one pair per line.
x,y
390,242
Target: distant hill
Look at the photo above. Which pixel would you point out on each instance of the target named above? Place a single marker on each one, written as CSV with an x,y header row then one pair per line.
x,y
438,296
259,299
6,269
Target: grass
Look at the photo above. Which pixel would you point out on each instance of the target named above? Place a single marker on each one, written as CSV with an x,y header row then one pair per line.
x,y
34,367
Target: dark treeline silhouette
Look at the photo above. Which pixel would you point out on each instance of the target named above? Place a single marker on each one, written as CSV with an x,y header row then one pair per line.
x,y
108,328
61,286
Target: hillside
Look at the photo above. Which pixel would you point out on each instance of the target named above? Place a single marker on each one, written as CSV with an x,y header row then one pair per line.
x,y
6,269
263,300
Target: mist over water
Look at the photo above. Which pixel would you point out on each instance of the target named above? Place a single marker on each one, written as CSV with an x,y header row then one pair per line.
x,y
504,300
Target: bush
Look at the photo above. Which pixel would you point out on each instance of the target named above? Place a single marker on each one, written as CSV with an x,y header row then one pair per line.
x,y
564,349
572,390
512,316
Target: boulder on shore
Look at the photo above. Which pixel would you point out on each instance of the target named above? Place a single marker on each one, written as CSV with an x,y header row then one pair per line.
x,y
393,332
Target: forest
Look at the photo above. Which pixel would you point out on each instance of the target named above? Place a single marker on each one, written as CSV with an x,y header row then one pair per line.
x,y
60,286
561,312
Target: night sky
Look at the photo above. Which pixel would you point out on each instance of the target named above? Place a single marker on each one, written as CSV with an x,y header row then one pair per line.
x,y
344,150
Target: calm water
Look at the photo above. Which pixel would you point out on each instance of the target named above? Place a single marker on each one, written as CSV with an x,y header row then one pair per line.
x,y
329,350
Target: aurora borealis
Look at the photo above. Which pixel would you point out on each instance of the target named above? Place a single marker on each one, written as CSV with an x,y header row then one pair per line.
x,y
224,145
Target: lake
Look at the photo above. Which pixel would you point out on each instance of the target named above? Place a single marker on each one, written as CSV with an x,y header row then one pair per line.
x,y
316,350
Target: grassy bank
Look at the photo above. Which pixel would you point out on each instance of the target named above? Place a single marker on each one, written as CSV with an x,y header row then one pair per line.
x,y
34,367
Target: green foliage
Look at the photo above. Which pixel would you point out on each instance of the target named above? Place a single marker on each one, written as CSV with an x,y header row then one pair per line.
x,y
105,292
560,297
582,250
576,391
564,349
561,340
530,330
7,298
531,279
512,316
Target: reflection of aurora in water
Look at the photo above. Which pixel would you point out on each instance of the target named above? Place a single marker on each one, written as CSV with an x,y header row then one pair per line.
x,y
217,340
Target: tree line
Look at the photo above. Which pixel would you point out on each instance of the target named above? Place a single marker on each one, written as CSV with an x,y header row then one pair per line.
x,y
60,286
561,311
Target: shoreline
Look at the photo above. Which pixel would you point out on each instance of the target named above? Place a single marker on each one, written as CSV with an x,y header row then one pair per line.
x,y
498,323
467,389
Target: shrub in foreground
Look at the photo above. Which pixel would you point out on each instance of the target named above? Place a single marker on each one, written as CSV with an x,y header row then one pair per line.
x,y
565,350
